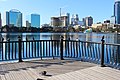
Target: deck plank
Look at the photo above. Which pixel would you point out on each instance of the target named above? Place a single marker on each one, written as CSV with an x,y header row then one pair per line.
x,y
59,70
97,74
93,73
115,74
2,77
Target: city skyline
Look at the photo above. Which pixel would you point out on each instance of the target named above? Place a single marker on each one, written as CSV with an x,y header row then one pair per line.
x,y
99,9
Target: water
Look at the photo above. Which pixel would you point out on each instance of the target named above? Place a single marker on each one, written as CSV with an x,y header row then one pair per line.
x,y
95,37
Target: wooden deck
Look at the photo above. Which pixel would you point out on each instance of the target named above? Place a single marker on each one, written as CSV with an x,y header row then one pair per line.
x,y
56,70
93,73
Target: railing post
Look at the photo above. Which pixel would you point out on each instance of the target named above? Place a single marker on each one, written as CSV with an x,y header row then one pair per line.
x,y
61,48
2,48
8,40
102,52
33,39
26,39
19,49
33,47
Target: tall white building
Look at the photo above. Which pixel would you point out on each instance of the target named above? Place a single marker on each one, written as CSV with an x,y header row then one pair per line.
x,y
112,20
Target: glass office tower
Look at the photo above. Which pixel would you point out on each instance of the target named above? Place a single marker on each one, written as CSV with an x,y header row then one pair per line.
x,y
35,20
14,18
0,21
117,12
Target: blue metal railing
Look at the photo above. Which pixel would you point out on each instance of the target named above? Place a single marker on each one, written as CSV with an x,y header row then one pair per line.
x,y
101,53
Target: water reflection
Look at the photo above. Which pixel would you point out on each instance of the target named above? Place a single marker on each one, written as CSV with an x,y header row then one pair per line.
x,y
118,38
56,36
88,38
46,36
0,41
11,36
30,36
95,37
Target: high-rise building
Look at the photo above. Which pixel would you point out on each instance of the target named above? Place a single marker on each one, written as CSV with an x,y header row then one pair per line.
x,y
117,12
14,18
35,20
62,21
7,18
0,21
112,20
83,19
68,18
55,21
28,24
75,19
88,21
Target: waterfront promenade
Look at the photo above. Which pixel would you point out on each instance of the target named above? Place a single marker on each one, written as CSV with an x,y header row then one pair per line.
x,y
56,70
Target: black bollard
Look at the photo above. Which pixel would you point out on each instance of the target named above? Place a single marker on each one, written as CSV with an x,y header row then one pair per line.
x,y
102,52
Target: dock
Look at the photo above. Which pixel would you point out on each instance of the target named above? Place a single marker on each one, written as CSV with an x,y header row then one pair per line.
x,y
56,70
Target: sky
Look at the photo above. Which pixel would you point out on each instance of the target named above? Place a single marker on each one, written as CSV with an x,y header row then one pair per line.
x,y
100,10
